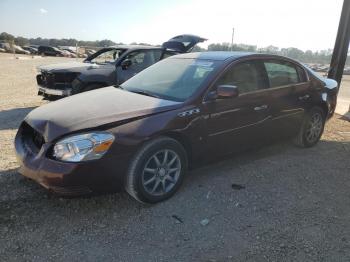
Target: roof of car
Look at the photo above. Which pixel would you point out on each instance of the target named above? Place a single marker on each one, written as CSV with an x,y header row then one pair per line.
x,y
215,55
135,47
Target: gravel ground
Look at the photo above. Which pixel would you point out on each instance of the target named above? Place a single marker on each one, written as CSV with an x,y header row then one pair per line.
x,y
278,203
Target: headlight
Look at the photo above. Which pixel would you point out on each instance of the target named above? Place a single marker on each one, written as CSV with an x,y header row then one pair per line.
x,y
83,147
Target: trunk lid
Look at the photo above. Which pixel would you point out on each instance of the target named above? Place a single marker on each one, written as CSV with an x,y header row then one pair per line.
x,y
183,43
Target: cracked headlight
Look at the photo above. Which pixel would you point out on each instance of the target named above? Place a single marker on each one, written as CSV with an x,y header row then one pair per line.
x,y
87,146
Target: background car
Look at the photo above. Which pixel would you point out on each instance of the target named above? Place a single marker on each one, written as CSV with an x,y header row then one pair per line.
x,y
108,66
90,52
30,49
6,46
49,51
144,134
70,52
20,50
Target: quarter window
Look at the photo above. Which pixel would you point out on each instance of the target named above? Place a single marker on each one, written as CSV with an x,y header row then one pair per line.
x,y
244,75
281,73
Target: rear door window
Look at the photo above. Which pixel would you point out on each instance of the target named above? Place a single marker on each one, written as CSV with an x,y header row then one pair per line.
x,y
281,73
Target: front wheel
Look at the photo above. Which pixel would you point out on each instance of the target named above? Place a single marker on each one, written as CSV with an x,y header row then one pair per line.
x,y
157,170
311,129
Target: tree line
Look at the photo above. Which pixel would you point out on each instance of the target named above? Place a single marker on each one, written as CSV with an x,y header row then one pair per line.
x,y
22,41
308,56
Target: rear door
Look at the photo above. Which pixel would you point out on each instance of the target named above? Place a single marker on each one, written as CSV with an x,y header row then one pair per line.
x,y
237,123
289,91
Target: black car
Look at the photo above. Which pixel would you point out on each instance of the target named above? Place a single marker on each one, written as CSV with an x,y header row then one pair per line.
x,y
108,66
192,107
49,51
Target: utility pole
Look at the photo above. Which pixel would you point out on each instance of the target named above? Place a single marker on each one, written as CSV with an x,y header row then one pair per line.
x,y
233,32
340,51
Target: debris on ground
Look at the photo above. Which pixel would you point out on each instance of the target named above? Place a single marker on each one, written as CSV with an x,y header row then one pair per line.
x,y
237,186
205,221
178,220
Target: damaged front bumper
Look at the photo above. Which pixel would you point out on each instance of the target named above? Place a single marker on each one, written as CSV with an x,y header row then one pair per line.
x,y
55,84
54,92
66,178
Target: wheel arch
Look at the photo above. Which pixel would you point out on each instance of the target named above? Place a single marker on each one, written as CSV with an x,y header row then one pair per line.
x,y
183,140
324,106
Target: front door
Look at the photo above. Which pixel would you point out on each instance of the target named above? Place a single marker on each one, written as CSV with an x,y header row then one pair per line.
x,y
237,123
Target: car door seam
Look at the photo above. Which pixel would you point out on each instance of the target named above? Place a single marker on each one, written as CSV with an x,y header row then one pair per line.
x,y
287,115
237,128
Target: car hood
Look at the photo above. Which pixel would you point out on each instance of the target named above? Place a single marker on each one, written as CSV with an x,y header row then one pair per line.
x,y
92,110
72,67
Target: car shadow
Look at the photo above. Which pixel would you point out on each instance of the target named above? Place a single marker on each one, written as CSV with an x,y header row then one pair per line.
x,y
237,194
199,176
12,118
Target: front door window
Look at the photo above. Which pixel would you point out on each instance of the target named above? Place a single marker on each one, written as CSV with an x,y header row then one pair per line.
x,y
143,59
245,76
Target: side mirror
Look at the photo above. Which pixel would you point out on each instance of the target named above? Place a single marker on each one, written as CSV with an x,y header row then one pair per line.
x,y
126,64
223,92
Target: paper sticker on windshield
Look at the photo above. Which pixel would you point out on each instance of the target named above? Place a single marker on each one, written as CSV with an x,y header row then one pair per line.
x,y
202,63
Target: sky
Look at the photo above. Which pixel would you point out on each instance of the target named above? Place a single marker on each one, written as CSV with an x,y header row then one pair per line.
x,y
305,24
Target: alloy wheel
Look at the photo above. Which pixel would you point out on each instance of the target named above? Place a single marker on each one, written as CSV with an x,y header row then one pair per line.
x,y
314,128
161,172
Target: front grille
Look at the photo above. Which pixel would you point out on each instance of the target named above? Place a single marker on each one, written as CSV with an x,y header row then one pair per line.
x,y
46,79
38,139
31,139
55,81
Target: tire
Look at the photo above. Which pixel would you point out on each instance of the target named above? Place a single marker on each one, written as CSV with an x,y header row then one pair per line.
x,y
311,129
148,182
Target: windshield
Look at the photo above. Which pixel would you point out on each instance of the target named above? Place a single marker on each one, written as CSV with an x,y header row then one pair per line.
x,y
105,56
171,79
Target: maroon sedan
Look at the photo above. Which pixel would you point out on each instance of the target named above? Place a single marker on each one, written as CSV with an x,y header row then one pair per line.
x,y
144,134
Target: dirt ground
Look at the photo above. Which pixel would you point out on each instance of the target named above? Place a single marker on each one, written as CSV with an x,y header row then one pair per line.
x,y
278,203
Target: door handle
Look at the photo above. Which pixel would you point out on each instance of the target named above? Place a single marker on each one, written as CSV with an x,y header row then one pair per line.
x,y
262,107
305,97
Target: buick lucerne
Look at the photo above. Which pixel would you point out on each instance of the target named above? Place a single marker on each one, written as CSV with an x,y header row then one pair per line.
x,y
143,135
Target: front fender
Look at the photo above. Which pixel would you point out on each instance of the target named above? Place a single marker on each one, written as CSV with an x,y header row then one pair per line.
x,y
131,136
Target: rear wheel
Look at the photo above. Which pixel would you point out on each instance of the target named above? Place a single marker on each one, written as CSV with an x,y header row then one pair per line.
x,y
157,170
311,129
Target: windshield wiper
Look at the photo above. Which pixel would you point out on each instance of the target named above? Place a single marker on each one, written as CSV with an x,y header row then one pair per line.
x,y
142,92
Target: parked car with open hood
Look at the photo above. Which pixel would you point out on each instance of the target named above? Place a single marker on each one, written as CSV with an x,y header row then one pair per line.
x,y
108,66
144,134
